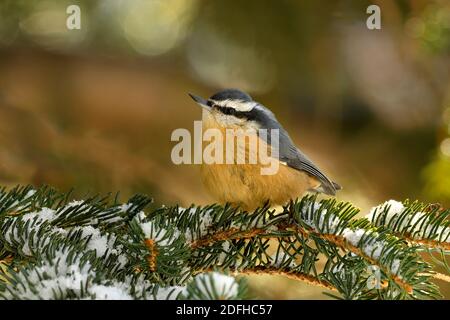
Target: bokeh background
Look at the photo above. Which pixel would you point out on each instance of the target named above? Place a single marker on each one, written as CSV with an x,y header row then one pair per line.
x,y
93,109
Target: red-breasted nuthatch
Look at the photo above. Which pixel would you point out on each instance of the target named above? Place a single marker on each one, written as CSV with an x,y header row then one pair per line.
x,y
242,184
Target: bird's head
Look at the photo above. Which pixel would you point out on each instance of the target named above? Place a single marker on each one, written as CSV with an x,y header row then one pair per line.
x,y
233,107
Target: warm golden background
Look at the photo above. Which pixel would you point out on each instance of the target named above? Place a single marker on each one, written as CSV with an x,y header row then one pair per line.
x,y
94,108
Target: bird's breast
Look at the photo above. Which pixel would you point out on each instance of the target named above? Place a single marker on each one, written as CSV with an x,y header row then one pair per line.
x,y
240,181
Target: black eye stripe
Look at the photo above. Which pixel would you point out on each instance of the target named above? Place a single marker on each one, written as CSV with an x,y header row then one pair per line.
x,y
238,114
225,110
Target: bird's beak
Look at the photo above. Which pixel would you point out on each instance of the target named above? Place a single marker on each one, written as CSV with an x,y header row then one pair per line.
x,y
200,101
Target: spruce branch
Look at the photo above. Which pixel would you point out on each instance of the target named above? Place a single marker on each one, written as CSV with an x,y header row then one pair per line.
x,y
99,248
368,247
418,223
425,226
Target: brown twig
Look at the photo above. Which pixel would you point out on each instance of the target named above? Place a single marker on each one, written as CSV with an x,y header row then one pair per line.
x,y
263,270
151,258
230,234
427,242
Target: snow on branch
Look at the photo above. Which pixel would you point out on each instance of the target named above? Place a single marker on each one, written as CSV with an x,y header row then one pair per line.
x,y
54,247
418,223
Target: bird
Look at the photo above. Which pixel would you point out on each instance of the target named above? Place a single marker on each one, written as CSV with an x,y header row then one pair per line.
x,y
242,184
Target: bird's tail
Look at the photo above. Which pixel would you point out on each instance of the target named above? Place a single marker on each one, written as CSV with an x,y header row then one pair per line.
x,y
336,186
327,188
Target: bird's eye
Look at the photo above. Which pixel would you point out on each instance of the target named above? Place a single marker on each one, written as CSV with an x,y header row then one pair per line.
x,y
229,111
225,110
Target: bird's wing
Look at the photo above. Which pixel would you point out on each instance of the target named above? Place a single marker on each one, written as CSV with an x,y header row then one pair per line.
x,y
289,154
295,159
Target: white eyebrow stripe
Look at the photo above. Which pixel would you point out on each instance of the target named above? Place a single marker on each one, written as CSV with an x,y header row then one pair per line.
x,y
238,105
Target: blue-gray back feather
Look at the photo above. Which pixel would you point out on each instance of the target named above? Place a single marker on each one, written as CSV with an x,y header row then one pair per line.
x,y
288,152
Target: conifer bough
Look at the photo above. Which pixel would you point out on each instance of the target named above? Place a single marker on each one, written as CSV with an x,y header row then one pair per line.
x,y
53,247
